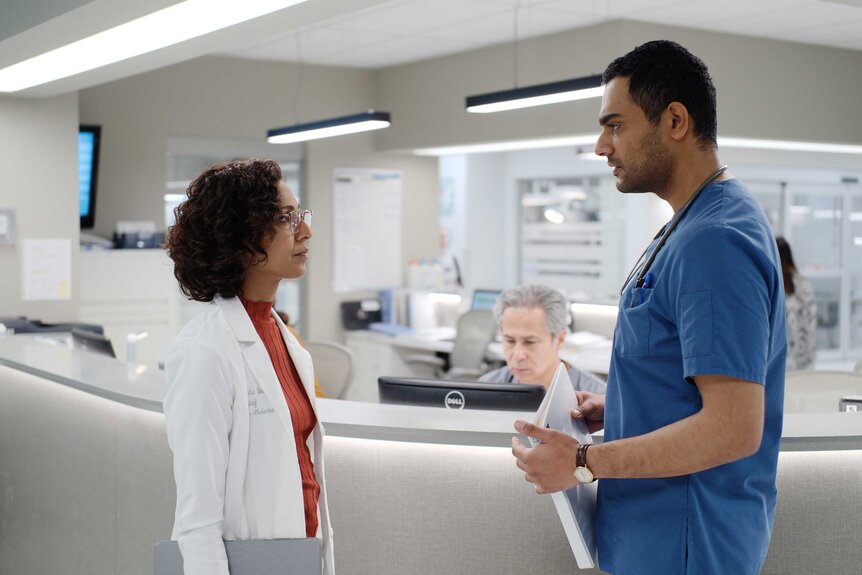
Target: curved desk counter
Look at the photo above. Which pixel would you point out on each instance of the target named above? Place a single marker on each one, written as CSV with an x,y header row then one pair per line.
x,y
87,486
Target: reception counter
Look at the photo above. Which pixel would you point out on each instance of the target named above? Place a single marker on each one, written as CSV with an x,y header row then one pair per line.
x,y
86,480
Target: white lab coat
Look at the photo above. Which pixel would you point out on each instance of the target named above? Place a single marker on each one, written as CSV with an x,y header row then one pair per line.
x,y
230,429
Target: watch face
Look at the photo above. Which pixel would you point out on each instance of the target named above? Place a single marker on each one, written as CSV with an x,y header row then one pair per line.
x,y
583,475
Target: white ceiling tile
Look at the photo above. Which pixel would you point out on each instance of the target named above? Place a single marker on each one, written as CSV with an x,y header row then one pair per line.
x,y
315,42
607,9
847,33
492,30
801,16
400,31
705,14
422,16
399,51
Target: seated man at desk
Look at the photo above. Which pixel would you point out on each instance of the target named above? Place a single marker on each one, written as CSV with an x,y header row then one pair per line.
x,y
533,321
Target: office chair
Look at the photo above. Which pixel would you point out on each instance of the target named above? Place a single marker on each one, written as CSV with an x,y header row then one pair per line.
x,y
476,329
333,365
858,367
819,391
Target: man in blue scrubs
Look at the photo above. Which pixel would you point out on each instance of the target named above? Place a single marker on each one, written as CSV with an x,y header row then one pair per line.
x,y
693,410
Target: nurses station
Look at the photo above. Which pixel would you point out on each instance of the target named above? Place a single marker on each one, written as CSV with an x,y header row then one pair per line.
x,y
423,215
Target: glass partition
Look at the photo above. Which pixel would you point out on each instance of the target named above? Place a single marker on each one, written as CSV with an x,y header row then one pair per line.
x,y
854,269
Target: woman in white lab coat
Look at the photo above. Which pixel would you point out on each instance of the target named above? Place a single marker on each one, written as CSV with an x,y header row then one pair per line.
x,y
240,410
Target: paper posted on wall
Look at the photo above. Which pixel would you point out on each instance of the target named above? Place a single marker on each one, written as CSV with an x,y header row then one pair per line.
x,y
576,507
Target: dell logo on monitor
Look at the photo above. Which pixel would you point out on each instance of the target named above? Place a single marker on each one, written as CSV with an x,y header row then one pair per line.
x,y
454,400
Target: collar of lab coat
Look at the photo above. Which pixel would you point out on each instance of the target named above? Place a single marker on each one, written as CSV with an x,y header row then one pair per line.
x,y
259,363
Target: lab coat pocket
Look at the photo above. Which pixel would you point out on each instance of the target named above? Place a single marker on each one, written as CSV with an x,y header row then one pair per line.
x,y
634,324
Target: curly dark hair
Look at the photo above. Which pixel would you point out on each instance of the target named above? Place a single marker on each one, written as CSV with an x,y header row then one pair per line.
x,y
661,72
220,229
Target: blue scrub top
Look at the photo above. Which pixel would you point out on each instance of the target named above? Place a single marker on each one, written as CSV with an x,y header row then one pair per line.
x,y
716,306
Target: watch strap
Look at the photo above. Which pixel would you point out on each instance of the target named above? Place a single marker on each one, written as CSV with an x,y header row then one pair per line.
x,y
581,461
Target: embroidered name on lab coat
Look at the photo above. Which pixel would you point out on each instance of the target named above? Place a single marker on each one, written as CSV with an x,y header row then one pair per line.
x,y
253,408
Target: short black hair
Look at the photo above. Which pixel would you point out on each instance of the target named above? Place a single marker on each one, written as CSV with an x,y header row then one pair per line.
x,y
221,228
661,72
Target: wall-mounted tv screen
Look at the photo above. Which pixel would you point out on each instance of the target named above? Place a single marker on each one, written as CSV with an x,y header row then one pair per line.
x,y
88,170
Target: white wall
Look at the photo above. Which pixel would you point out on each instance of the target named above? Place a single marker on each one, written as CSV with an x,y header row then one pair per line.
x,y
766,88
214,98
39,164
419,219
486,223
222,98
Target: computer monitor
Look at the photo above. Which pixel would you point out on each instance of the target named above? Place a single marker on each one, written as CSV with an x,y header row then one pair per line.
x,y
88,170
485,298
851,403
453,394
93,342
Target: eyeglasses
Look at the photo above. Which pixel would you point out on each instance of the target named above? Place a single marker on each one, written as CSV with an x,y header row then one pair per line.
x,y
295,219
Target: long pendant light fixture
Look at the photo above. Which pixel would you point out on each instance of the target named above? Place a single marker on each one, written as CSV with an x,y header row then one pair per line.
x,y
165,27
343,125
539,95
364,122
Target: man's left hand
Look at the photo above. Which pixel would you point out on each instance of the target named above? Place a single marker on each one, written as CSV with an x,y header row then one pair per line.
x,y
550,466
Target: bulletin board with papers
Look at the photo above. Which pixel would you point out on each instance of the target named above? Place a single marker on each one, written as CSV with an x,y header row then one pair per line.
x,y
366,243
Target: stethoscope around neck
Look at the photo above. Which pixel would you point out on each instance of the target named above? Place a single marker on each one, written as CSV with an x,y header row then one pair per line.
x,y
664,232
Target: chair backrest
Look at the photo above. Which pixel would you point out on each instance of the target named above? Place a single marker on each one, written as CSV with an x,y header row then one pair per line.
x,y
819,391
858,367
333,365
476,329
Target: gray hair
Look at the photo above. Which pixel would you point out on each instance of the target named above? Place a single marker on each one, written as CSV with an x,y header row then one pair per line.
x,y
551,301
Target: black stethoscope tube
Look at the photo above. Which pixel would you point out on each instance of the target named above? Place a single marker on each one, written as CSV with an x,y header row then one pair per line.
x,y
665,231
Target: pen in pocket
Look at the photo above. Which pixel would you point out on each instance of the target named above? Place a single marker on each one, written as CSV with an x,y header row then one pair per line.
x,y
648,279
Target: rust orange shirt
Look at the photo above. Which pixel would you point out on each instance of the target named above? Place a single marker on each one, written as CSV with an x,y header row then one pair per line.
x,y
301,412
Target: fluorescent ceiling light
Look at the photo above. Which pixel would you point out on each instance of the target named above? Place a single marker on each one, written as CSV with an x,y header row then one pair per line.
x,y
165,27
578,195
539,95
531,201
591,157
827,214
789,145
554,216
363,122
508,146
590,140
594,309
444,298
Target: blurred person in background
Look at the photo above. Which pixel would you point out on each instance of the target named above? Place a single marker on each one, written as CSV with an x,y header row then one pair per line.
x,y
533,321
800,312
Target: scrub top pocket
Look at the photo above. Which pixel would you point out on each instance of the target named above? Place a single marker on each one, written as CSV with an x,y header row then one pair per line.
x,y
634,324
